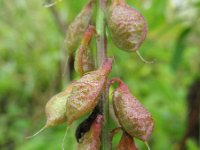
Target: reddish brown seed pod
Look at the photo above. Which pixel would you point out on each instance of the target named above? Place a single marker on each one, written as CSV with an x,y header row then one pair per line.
x,y
126,143
83,60
78,26
132,116
91,139
127,26
55,110
85,92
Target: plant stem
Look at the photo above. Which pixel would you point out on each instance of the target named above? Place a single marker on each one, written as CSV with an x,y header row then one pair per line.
x,y
101,56
101,38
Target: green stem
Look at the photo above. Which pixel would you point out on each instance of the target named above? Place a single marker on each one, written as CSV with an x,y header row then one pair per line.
x,y
100,27
101,56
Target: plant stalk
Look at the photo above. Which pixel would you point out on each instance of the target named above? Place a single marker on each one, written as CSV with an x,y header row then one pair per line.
x,y
101,56
101,38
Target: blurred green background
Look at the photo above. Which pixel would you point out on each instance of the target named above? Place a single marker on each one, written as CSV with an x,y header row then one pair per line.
x,y
31,68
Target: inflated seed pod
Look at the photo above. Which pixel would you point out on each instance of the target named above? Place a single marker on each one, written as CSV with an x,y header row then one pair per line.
x,y
83,60
55,107
55,110
126,143
127,26
85,92
132,116
77,27
91,139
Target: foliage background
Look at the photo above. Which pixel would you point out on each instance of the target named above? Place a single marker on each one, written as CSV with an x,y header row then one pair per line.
x,y
31,41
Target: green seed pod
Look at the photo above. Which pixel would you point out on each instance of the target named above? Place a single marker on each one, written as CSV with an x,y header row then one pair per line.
x,y
127,26
78,26
83,60
126,143
85,92
55,110
91,140
132,116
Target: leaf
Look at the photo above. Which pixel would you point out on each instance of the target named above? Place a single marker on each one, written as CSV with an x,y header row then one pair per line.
x,y
180,46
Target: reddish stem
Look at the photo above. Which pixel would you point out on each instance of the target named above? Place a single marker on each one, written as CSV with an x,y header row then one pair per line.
x,y
107,64
116,79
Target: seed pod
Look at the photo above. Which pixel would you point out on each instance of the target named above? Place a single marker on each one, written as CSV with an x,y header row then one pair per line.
x,y
126,143
85,92
127,26
55,110
132,116
83,60
91,140
78,26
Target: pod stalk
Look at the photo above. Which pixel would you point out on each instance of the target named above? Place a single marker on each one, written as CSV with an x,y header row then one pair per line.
x,y
147,145
145,61
47,5
63,141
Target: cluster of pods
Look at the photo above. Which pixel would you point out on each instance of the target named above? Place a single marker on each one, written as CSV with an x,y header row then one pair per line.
x,y
128,29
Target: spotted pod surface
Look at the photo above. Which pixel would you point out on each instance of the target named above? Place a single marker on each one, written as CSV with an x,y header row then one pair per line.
x,y
91,139
55,108
126,143
132,116
85,92
127,26
77,27
83,59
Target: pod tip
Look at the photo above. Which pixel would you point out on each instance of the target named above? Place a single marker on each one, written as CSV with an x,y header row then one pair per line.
x,y
145,61
47,5
147,145
29,137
